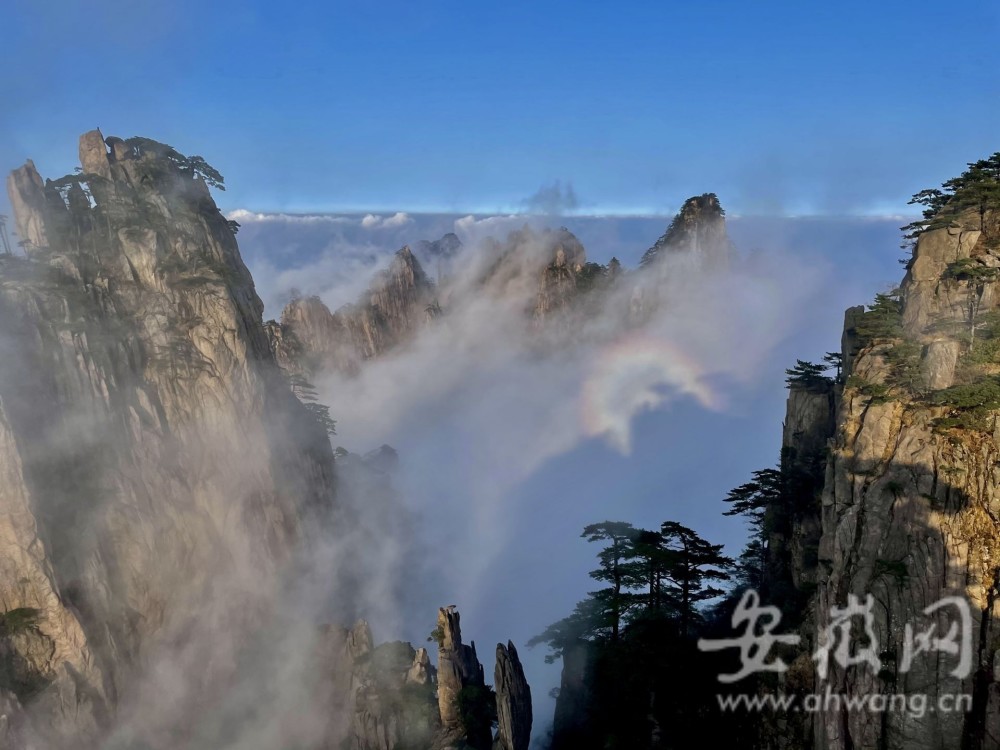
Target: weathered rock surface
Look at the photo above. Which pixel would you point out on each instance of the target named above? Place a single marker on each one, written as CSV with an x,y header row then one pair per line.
x,y
458,667
572,716
312,339
513,701
157,470
908,506
162,489
396,699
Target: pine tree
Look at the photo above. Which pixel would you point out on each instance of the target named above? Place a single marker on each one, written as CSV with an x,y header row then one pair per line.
x,y
694,565
613,568
807,375
754,497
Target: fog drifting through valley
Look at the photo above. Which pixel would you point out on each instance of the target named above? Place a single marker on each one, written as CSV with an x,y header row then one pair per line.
x,y
506,452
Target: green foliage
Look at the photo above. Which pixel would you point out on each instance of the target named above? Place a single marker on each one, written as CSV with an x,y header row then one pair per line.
x,y
306,393
877,392
883,319
751,566
193,166
612,569
982,394
903,359
667,573
977,189
985,350
808,376
477,710
590,620
689,571
970,270
754,497
972,405
437,636
321,413
20,620
834,361
590,276
973,420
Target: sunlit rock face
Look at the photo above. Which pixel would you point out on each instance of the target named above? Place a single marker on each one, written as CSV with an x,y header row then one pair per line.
x,y
157,470
400,299
906,509
174,529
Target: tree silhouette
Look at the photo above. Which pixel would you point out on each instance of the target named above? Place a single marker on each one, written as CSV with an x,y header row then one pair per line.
x,y
613,569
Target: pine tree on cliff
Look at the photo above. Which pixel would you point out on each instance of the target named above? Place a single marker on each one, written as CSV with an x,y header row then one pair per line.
x,y
696,563
808,375
613,569
753,498
976,189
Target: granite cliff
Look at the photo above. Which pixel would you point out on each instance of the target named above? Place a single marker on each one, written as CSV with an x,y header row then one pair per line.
x,y
174,525
134,354
902,450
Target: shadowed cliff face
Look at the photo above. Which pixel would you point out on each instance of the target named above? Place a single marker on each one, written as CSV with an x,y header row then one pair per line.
x,y
907,511
158,472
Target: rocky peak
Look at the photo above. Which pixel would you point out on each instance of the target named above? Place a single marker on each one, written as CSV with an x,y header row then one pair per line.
x,y
513,701
311,339
458,667
699,228
446,247
152,455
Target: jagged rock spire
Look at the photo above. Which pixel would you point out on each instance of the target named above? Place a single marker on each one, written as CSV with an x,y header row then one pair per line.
x,y
513,701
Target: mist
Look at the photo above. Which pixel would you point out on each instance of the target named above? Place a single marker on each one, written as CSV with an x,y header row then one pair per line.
x,y
512,438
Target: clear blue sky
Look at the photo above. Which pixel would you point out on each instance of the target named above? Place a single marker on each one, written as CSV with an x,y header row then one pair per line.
x,y
782,107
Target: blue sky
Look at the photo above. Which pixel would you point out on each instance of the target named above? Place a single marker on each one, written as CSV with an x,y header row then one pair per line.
x,y
781,107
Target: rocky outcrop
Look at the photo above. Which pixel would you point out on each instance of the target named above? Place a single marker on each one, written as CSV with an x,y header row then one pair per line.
x,y
544,273
396,699
794,525
438,255
572,715
157,471
513,697
698,231
394,703
163,491
458,670
906,512
312,339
